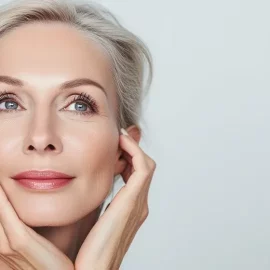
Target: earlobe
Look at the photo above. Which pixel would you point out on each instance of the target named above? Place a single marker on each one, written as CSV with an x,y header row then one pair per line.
x,y
120,165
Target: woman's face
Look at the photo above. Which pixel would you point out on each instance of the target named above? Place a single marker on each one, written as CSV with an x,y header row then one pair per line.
x,y
43,129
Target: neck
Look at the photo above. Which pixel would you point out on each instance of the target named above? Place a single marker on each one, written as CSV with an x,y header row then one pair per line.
x,y
69,238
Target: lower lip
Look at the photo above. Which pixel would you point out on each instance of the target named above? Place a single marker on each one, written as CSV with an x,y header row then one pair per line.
x,y
44,184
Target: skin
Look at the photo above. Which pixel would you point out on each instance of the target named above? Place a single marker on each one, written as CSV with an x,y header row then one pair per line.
x,y
59,54
88,147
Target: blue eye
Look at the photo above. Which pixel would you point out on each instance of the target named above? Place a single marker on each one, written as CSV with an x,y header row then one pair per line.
x,y
5,98
86,101
83,100
12,106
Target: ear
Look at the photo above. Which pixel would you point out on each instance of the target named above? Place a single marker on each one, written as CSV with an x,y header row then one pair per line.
x,y
121,163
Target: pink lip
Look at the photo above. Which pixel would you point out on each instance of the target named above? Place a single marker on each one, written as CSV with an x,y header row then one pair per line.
x,y
42,180
41,175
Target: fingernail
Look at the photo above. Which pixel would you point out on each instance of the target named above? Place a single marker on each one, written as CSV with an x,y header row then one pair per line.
x,y
124,132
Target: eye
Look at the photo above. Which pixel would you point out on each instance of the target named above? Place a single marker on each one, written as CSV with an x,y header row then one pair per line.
x,y
84,102
8,103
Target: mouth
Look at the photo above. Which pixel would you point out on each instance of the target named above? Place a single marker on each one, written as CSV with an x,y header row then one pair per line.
x,y
42,180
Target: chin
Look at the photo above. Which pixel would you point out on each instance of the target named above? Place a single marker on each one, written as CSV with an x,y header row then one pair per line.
x,y
58,208
53,215
41,218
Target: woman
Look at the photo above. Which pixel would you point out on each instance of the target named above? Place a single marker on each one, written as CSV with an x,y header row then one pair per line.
x,y
71,80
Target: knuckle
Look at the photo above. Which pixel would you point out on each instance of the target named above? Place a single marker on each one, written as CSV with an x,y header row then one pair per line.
x,y
145,213
4,250
19,243
5,247
153,164
147,158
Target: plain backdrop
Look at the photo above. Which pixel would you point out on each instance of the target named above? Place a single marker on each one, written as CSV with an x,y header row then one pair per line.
x,y
207,118
208,131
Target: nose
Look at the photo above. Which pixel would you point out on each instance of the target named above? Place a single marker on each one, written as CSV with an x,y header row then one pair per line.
x,y
42,137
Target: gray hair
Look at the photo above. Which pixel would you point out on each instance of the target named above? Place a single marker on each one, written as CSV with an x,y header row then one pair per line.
x,y
127,52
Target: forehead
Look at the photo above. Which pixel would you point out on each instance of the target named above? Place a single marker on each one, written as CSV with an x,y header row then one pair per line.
x,y
54,49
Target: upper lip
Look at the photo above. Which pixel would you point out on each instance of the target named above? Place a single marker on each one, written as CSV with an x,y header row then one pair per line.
x,y
37,174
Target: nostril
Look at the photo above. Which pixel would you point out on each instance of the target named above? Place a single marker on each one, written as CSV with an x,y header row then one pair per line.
x,y
51,146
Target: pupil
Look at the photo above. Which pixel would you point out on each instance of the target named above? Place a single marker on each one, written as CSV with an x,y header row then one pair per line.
x,y
79,106
12,105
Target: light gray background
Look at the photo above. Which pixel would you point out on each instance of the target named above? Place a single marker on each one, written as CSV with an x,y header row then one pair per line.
x,y
207,129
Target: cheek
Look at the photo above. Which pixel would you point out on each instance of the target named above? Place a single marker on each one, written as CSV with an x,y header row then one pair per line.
x,y
94,165
96,151
8,154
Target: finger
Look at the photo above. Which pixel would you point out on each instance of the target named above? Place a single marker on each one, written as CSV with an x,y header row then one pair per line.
x,y
142,169
4,243
23,239
151,163
12,225
13,229
47,249
137,155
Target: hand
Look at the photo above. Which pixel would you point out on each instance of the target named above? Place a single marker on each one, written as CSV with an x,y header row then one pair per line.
x,y
22,248
110,238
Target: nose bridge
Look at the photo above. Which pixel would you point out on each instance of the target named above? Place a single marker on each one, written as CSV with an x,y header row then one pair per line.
x,y
42,135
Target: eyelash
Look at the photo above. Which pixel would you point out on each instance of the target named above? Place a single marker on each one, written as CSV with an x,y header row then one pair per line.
x,y
86,99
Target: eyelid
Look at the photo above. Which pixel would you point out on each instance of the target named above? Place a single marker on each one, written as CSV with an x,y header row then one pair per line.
x,y
83,97
8,96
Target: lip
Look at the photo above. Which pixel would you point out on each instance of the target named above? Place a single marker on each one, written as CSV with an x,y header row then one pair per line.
x,y
41,175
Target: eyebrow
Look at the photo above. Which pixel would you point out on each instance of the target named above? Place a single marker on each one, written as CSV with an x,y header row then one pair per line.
x,y
68,84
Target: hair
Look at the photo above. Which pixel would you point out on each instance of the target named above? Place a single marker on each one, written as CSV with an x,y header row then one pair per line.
x,y
129,55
